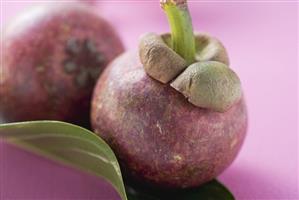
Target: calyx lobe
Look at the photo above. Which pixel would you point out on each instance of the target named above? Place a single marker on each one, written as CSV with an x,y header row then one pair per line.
x,y
208,83
159,60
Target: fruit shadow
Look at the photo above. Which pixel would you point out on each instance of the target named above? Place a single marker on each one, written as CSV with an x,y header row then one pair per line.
x,y
24,175
252,182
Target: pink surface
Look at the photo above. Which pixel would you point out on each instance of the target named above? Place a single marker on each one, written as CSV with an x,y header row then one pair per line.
x,y
262,41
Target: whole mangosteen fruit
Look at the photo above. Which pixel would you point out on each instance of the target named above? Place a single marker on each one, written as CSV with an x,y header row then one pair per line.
x,y
52,56
174,114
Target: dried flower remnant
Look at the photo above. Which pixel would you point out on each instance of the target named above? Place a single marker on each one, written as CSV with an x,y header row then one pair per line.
x,y
84,60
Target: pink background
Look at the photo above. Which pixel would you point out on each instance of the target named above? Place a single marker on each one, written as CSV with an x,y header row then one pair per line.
x,y
262,41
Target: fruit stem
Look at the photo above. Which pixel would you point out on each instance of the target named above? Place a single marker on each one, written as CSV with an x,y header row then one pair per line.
x,y
182,37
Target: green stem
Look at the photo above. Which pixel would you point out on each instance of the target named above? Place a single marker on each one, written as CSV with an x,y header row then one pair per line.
x,y
181,28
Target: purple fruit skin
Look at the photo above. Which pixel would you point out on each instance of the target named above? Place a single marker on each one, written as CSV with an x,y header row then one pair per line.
x,y
158,136
52,61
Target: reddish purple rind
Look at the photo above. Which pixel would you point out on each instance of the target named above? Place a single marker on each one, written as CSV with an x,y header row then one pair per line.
x,y
159,137
35,81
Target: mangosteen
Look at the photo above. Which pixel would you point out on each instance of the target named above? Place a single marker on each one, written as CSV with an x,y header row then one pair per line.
x,y
52,56
173,112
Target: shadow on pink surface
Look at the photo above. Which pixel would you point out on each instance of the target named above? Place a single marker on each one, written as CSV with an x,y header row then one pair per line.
x,y
27,176
243,181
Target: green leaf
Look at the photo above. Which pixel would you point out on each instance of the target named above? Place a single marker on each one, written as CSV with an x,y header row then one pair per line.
x,y
68,144
212,190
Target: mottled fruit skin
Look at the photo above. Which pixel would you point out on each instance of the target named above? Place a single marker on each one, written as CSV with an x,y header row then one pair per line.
x,y
158,136
52,56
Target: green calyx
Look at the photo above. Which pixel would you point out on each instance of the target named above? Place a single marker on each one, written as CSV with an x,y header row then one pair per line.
x,y
209,84
194,65
182,38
